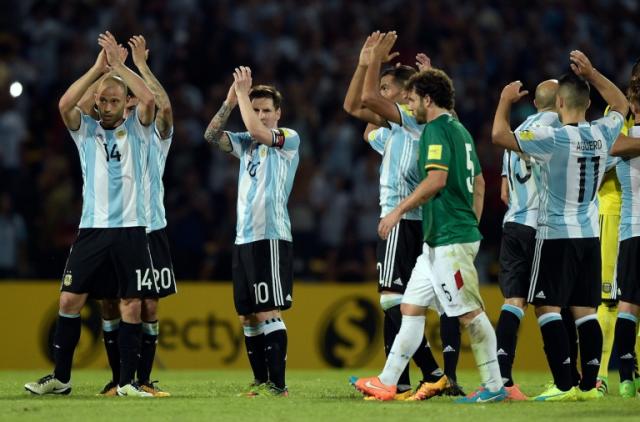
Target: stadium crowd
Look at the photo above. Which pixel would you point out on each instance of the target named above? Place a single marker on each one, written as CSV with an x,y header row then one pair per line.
x,y
308,50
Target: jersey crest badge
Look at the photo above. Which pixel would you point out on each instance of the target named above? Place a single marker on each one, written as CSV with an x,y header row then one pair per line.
x,y
121,133
435,152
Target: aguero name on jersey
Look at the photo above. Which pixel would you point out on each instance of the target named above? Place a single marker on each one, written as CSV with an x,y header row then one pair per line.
x,y
573,160
113,163
519,170
264,184
628,171
399,173
449,217
158,152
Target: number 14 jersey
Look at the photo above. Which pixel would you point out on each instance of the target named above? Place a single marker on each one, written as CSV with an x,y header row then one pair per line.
x,y
572,160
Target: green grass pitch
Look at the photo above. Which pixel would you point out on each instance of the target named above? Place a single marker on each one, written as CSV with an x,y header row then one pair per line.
x,y
314,396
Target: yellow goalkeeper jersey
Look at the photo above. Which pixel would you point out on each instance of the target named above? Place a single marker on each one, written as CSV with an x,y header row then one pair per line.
x,y
610,194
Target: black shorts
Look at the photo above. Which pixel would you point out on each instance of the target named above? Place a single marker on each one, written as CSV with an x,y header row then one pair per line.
x,y
566,272
163,275
262,276
516,256
123,250
398,254
628,271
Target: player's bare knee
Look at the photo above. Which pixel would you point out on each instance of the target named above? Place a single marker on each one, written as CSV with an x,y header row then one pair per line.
x,y
582,311
412,310
131,310
71,303
541,310
466,319
629,308
520,302
265,315
248,320
110,309
150,309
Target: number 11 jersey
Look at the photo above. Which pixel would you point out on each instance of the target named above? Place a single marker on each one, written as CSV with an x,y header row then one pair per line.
x,y
572,161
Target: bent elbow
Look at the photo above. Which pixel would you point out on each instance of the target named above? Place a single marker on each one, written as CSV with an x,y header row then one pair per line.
x,y
367,99
495,137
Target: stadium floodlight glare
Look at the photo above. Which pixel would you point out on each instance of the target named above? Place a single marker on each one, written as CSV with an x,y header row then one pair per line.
x,y
15,89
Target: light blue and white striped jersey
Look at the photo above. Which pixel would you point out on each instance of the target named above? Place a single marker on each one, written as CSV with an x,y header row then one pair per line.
x,y
264,184
628,171
114,163
399,172
158,152
519,170
572,162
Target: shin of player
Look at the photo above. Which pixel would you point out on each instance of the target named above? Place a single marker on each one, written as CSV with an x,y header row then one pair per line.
x,y
263,250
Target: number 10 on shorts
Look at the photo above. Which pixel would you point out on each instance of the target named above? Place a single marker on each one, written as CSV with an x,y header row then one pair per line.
x,y
261,292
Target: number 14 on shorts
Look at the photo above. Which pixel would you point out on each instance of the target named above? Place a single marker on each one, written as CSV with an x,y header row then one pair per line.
x,y
144,281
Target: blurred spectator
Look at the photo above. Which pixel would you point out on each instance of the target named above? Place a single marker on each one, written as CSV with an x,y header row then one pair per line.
x,y
309,49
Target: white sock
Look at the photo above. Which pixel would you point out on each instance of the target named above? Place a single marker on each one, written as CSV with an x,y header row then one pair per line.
x,y
404,346
483,344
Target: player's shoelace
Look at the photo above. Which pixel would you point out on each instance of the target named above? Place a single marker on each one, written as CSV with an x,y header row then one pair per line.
x,y
46,379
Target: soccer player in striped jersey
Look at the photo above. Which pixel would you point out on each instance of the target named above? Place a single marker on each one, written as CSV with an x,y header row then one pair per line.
x,y
397,140
113,156
609,204
263,251
566,267
519,191
451,194
627,271
163,277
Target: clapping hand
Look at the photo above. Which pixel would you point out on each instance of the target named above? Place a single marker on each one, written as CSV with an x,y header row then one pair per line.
x,y
242,80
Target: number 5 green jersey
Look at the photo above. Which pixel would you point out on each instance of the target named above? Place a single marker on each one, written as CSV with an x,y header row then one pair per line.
x,y
449,218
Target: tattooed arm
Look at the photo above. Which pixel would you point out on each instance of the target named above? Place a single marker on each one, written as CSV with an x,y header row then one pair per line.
x,y
164,115
215,131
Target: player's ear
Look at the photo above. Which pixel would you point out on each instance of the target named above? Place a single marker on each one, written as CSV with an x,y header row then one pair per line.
x,y
634,108
559,102
588,104
278,113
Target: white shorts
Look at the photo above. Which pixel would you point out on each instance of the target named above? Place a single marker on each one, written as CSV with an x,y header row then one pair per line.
x,y
445,278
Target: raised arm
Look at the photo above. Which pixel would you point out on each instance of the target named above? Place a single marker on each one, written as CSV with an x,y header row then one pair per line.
x,y
164,115
436,180
353,100
478,195
611,94
371,97
69,101
256,129
88,101
146,101
214,134
625,146
501,133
